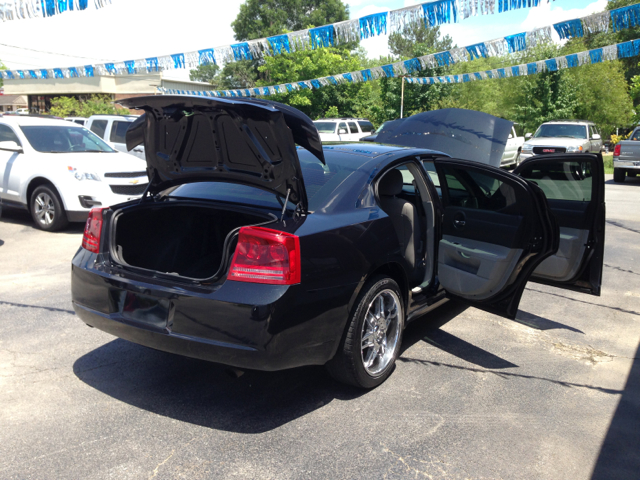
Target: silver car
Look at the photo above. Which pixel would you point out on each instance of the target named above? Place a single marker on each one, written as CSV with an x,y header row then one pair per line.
x,y
563,136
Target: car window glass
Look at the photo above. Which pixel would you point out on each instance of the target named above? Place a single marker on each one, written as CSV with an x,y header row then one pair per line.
x,y
366,127
473,189
353,127
325,127
562,180
636,135
79,122
433,175
99,127
8,135
561,130
118,131
64,139
342,125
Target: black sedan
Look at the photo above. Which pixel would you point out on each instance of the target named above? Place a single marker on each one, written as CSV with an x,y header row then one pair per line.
x,y
253,252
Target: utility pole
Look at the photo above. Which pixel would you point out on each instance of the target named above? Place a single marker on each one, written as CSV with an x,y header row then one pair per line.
x,y
402,97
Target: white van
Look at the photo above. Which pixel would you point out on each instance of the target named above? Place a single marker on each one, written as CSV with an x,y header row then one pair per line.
x,y
112,129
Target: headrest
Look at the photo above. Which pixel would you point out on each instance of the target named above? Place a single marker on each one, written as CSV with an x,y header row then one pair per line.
x,y
391,183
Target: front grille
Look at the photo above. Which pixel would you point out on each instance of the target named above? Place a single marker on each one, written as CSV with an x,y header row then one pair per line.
x,y
125,174
541,150
129,189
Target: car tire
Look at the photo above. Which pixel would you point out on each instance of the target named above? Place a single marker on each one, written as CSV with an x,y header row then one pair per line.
x,y
515,165
47,210
618,175
371,344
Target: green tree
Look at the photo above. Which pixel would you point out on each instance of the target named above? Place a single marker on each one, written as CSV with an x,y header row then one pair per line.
x,y
204,73
94,105
415,40
265,18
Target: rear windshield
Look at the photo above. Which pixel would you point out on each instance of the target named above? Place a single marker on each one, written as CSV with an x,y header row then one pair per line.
x,y
325,127
59,139
562,131
320,181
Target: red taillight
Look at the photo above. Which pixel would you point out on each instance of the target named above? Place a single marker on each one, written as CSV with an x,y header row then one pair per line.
x,y
92,230
266,256
616,150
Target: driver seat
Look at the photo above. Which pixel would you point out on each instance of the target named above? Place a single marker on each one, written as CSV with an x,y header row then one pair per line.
x,y
403,214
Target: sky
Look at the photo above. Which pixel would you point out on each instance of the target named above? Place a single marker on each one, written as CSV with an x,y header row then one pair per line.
x,y
132,29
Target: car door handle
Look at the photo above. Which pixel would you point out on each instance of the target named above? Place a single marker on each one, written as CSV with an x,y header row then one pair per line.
x,y
459,223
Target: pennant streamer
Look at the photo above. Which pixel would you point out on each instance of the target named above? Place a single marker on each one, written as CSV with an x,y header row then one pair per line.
x,y
431,13
24,9
598,55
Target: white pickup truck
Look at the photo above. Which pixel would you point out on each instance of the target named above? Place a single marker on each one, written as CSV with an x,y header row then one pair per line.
x,y
511,155
626,157
112,129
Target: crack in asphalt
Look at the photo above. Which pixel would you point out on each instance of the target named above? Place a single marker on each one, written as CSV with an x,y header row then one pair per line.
x,y
50,309
621,269
623,310
505,375
619,225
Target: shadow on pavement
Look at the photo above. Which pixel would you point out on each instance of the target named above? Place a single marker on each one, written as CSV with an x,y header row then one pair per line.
x,y
540,323
18,216
628,180
204,393
620,452
1,242
427,328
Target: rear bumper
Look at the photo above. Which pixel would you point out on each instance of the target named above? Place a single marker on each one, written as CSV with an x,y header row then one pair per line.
x,y
253,326
626,164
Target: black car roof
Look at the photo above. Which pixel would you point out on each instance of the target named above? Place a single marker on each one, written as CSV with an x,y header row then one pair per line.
x,y
373,150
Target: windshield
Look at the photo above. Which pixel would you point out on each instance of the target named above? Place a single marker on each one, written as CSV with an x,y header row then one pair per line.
x,y
325,127
381,127
63,139
561,130
320,182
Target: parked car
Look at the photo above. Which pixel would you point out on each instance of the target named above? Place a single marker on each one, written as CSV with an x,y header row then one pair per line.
x,y
560,136
22,111
513,150
79,120
626,157
58,171
343,129
261,255
112,129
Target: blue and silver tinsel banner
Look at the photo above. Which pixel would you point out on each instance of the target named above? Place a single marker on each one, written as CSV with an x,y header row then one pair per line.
x,y
597,55
25,9
430,13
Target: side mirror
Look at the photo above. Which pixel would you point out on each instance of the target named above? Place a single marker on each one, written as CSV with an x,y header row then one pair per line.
x,y
11,147
528,135
510,136
342,131
596,136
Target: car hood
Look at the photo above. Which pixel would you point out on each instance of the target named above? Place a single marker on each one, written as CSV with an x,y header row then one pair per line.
x,y
464,134
101,162
555,141
246,141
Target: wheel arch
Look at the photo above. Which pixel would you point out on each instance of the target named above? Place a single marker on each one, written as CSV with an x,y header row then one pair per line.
x,y
38,182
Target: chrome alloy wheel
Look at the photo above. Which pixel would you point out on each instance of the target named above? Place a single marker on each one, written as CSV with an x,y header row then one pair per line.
x,y
45,209
381,332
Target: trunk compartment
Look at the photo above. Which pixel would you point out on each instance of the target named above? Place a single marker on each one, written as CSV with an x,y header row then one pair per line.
x,y
185,239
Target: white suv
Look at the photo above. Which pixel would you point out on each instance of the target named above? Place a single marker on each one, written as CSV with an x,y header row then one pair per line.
x,y
343,129
58,170
112,129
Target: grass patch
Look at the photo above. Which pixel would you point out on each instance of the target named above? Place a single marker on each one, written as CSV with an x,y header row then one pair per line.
x,y
608,163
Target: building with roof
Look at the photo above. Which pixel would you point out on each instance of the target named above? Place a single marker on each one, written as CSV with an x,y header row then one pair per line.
x,y
11,103
39,92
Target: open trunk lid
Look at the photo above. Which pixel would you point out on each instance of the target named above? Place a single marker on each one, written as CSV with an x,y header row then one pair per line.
x,y
247,141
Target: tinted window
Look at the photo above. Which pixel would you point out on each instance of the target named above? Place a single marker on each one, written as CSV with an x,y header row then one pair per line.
x,y
561,130
325,127
635,136
79,122
353,127
343,126
366,127
98,127
7,135
562,180
118,131
473,189
64,139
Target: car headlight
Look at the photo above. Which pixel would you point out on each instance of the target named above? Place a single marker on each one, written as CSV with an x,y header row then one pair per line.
x,y
527,148
78,175
574,149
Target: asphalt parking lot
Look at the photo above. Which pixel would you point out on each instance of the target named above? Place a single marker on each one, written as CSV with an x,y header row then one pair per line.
x,y
554,394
